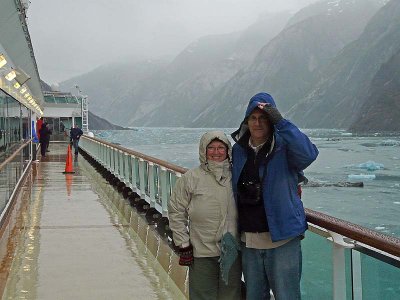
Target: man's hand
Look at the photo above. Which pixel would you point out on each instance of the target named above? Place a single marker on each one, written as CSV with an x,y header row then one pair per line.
x,y
273,113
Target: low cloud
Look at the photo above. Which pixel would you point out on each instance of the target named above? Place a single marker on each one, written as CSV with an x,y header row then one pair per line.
x,y
73,37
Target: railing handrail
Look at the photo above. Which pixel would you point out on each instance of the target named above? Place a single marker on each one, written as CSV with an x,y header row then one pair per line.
x,y
11,157
380,241
157,161
377,240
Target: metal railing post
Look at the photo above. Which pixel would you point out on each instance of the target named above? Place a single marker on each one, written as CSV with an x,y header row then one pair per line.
x,y
133,172
152,190
164,174
339,265
121,165
142,183
356,275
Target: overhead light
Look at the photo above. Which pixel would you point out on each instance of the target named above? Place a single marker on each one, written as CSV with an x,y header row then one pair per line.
x,y
10,76
23,90
17,85
21,77
26,95
3,61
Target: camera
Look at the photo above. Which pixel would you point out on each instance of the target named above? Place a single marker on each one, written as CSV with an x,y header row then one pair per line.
x,y
250,193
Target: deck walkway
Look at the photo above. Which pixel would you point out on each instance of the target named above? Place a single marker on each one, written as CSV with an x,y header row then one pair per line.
x,y
71,246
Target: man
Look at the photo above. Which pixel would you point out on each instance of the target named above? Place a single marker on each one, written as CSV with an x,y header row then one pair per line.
x,y
44,138
269,157
74,136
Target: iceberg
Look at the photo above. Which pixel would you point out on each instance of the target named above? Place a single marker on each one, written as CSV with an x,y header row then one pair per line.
x,y
371,166
361,176
390,143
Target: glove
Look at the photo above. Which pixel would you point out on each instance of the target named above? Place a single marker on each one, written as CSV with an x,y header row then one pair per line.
x,y
186,256
273,113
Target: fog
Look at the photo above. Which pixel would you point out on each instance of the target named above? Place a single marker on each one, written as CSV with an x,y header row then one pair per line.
x,y
75,36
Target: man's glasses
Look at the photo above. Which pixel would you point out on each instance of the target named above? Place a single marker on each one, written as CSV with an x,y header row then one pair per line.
x,y
254,119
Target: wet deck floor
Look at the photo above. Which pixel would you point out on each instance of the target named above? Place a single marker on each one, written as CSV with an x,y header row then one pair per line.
x,y
72,245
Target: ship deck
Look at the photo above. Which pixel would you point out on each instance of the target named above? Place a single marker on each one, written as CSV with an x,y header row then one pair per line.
x,y
72,244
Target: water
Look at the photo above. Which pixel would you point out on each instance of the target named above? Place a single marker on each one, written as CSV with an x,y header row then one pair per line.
x,y
376,205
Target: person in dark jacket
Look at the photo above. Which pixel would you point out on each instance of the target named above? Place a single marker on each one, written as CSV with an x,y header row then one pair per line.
x,y
269,157
44,138
74,135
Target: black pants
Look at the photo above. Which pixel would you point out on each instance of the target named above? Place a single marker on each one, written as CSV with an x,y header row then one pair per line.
x,y
43,147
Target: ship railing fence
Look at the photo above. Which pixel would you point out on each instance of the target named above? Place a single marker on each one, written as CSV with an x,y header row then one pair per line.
x,y
12,171
341,260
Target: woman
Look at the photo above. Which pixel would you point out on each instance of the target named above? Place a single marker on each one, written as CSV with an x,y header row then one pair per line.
x,y
203,200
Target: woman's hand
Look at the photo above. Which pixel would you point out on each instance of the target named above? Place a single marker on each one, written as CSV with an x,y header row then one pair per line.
x,y
186,256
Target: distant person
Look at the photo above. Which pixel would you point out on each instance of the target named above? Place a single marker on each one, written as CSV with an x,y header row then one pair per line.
x,y
268,159
50,127
44,138
74,136
62,127
202,216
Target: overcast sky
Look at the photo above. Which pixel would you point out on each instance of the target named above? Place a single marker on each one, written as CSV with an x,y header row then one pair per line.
x,y
71,37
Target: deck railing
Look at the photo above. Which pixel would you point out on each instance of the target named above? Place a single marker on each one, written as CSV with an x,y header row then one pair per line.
x,y
341,260
12,170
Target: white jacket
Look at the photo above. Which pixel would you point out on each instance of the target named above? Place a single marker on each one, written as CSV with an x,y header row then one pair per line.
x,y
202,200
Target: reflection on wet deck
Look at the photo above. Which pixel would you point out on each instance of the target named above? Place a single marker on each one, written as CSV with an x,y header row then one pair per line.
x,y
81,240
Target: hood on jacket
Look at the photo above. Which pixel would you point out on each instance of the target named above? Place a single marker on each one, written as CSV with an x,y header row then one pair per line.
x,y
253,104
207,138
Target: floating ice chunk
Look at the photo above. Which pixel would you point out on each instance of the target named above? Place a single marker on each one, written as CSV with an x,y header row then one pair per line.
x,y
371,166
380,227
361,176
396,202
389,143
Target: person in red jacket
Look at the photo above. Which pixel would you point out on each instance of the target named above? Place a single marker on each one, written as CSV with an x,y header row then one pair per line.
x,y
39,126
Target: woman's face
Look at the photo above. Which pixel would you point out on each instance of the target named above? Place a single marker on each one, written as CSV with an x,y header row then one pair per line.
x,y
216,151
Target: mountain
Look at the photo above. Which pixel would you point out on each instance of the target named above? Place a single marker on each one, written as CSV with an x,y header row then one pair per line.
x,y
174,93
342,97
178,94
163,99
333,64
291,63
381,110
97,123
108,84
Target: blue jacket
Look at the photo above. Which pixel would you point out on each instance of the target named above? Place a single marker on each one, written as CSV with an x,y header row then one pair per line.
x,y
291,154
